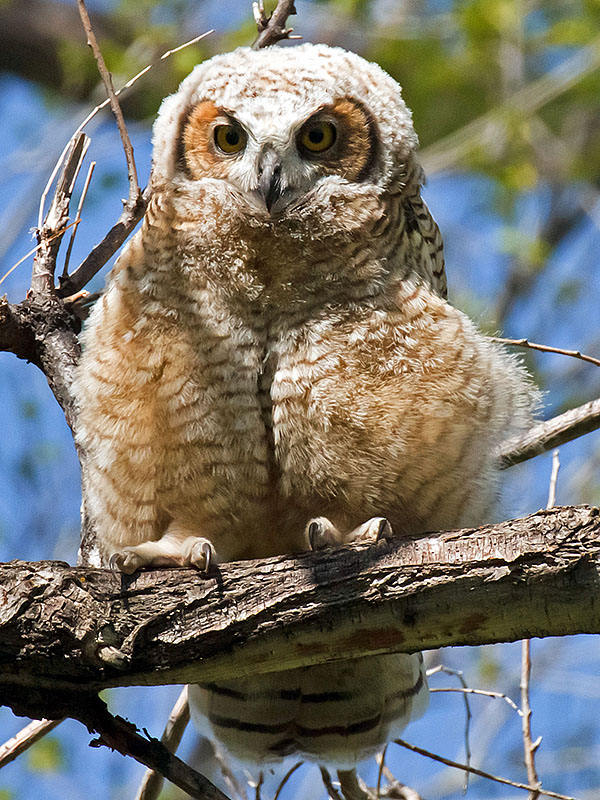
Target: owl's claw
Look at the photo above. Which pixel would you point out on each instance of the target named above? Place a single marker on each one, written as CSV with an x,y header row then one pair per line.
x,y
384,530
202,554
126,561
373,530
322,533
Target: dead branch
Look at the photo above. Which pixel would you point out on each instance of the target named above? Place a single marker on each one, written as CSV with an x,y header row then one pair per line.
x,y
25,738
114,732
42,330
537,576
550,434
134,189
179,717
51,232
99,255
474,771
272,29
544,348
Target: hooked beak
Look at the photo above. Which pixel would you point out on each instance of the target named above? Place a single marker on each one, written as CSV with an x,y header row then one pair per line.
x,y
270,186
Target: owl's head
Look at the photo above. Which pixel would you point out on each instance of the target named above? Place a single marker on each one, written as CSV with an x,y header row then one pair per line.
x,y
284,126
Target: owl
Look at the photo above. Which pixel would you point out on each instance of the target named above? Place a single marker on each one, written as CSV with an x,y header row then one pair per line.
x,y
274,367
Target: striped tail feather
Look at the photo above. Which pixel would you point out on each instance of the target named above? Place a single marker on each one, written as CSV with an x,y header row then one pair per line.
x,y
336,714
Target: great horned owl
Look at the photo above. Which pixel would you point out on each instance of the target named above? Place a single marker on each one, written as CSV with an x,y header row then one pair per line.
x,y
274,365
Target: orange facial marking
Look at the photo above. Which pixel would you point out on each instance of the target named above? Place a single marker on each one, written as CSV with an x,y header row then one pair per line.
x,y
200,157
354,134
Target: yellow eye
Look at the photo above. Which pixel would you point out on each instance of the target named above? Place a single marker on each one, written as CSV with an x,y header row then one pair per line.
x,y
318,137
230,138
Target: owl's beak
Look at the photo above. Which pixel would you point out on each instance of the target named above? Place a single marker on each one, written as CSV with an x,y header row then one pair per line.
x,y
270,186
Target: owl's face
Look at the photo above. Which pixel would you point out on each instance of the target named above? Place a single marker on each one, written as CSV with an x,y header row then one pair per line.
x,y
274,159
285,128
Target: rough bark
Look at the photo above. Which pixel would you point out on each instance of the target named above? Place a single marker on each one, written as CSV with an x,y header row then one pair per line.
x,y
63,627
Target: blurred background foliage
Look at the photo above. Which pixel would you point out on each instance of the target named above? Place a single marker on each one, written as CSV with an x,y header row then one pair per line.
x,y
506,100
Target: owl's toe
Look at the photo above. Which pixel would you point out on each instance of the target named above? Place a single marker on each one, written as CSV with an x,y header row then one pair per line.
x,y
373,530
321,533
202,554
384,529
126,561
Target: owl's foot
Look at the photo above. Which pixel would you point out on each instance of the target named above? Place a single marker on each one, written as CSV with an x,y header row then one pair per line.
x,y
174,549
321,532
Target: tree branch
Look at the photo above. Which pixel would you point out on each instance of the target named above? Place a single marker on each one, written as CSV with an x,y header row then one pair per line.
x,y
544,348
134,189
74,628
550,434
114,732
25,738
272,29
179,717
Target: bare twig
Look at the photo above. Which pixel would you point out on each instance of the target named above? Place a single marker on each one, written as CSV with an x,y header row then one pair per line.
x,y
286,778
100,254
129,217
130,83
27,736
553,479
468,716
544,348
36,249
380,759
134,188
483,693
272,29
328,784
77,220
51,232
258,786
113,731
136,203
529,746
351,786
179,717
474,771
550,434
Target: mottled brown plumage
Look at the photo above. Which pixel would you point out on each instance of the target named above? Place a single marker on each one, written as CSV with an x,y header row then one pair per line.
x,y
274,365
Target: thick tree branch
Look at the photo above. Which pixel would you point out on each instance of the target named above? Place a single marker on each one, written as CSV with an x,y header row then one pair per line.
x,y
42,330
75,628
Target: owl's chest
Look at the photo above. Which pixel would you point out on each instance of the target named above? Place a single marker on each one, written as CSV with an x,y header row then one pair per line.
x,y
268,396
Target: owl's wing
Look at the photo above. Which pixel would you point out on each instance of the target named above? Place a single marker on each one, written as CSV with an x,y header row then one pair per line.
x,y
425,242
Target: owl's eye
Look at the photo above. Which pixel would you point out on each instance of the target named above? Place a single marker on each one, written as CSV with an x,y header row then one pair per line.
x,y
318,137
230,138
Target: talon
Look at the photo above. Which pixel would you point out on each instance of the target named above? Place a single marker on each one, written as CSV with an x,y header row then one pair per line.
x,y
125,561
314,529
321,533
113,564
201,555
207,552
384,530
